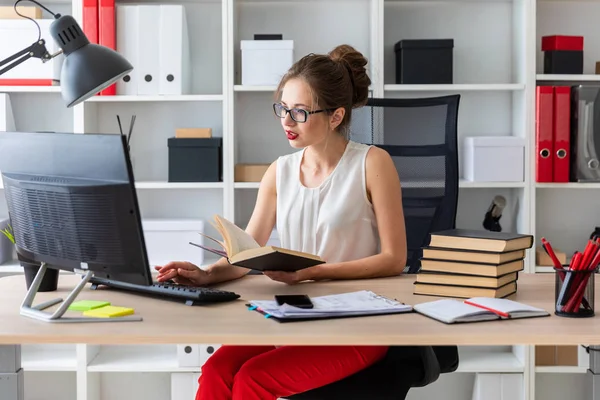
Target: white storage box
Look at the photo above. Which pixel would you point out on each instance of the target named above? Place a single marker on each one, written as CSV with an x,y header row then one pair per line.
x,y
264,62
493,159
168,240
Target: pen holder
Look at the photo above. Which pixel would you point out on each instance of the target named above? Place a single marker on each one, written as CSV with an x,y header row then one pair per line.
x,y
574,293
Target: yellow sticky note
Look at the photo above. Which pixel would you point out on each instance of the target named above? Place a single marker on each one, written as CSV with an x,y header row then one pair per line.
x,y
109,312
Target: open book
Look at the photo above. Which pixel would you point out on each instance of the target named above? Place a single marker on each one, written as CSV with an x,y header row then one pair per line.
x,y
361,303
477,309
242,250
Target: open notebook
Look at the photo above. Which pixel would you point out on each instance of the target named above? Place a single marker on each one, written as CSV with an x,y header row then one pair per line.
x,y
360,303
477,309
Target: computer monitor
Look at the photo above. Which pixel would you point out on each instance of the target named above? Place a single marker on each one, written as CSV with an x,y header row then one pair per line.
x,y
73,206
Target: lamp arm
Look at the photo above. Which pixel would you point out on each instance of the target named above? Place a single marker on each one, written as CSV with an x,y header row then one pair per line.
x,y
36,50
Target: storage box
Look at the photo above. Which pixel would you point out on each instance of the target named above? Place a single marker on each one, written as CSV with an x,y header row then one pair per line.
x,y
250,172
168,240
563,62
424,61
264,62
562,42
493,159
195,159
556,355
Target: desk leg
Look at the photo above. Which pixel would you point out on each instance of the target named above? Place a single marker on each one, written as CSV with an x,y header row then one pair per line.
x,y
593,373
12,385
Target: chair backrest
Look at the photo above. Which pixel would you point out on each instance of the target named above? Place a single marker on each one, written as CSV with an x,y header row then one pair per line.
x,y
421,136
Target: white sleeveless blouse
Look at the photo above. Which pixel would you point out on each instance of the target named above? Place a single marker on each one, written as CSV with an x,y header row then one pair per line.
x,y
334,220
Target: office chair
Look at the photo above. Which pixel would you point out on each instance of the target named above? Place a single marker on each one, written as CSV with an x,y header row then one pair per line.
x,y
421,136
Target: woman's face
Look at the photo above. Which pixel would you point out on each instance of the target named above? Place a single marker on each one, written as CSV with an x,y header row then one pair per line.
x,y
297,98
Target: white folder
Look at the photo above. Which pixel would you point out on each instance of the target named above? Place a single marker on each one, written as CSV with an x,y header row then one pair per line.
x,y
148,48
127,22
175,74
7,120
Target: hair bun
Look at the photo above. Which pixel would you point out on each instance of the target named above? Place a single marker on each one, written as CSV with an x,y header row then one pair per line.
x,y
355,62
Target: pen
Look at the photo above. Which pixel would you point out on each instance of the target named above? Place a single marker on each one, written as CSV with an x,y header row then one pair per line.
x,y
550,251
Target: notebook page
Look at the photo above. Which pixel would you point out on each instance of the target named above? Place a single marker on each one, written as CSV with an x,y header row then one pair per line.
x,y
450,310
504,305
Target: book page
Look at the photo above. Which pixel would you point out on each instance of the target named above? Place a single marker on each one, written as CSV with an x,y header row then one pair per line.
x,y
235,238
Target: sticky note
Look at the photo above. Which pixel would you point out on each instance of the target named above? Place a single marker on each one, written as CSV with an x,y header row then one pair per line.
x,y
84,305
109,312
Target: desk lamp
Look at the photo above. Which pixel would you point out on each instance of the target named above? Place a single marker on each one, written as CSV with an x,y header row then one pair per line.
x,y
87,68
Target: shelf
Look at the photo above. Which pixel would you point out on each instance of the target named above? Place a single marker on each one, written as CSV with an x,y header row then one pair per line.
x,y
11,267
29,89
569,185
167,98
567,78
561,369
45,358
463,184
544,269
460,87
250,88
138,359
178,185
489,362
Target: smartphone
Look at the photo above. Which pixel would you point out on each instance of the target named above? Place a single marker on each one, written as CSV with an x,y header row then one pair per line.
x,y
296,300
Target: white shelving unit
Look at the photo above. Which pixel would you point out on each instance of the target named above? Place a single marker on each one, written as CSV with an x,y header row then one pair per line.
x,y
497,64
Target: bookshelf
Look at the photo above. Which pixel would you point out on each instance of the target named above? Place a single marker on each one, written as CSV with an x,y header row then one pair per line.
x,y
497,64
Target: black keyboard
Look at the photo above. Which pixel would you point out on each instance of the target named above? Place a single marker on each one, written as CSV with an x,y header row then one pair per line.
x,y
190,294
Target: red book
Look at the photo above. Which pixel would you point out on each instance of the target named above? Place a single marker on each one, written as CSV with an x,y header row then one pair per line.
x,y
107,32
544,148
562,133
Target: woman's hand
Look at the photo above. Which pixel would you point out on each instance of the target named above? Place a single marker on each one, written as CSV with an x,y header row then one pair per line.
x,y
183,273
291,278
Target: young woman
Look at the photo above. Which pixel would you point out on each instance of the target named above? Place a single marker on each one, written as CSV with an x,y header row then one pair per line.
x,y
333,197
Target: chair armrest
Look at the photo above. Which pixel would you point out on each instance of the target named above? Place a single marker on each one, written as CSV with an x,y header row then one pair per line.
x,y
431,367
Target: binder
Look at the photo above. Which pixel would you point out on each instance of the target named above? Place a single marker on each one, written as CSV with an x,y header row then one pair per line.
x,y
106,33
544,133
561,133
90,20
127,26
148,49
175,75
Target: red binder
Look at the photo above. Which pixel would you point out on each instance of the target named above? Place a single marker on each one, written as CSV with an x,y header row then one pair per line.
x,y
544,133
90,20
107,31
562,130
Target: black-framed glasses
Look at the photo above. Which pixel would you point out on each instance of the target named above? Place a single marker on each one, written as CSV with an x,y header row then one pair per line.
x,y
297,114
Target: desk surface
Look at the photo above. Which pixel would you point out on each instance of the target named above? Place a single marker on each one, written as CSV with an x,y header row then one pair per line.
x,y
169,322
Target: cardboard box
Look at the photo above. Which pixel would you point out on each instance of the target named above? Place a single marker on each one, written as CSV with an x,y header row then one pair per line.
x,y
250,172
8,12
193,133
556,355
543,259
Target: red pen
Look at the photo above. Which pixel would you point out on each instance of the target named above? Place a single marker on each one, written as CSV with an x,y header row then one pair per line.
x,y
550,251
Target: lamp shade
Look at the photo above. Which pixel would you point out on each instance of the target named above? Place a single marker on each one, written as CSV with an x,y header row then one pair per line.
x,y
87,68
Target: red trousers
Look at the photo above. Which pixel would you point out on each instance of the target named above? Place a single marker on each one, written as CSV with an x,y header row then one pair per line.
x,y
268,373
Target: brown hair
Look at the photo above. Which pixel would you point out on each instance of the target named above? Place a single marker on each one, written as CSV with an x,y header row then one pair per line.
x,y
336,79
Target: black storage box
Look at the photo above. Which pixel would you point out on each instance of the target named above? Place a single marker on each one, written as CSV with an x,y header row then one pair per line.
x,y
195,159
563,62
424,61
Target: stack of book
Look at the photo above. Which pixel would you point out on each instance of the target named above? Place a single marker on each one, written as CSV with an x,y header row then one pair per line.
x,y
468,263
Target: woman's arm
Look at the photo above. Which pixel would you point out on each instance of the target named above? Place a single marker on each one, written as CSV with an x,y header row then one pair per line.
x,y
384,191
260,227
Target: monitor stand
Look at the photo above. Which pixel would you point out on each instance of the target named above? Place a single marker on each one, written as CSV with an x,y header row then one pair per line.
x,y
36,312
